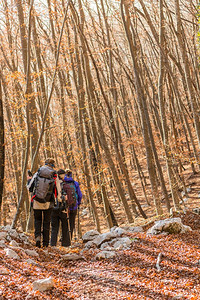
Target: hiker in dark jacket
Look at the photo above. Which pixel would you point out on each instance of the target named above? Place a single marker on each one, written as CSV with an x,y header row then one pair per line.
x,y
59,214
72,211
42,200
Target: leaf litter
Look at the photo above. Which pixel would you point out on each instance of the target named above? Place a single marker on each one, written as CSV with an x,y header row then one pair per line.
x,y
132,274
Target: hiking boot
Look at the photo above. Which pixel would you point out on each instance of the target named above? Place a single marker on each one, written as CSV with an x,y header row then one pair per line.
x,y
38,244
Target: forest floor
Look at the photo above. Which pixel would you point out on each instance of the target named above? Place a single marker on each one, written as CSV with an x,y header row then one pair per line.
x,y
132,274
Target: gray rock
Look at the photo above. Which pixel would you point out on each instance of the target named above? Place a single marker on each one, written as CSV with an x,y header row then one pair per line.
x,y
134,229
17,248
173,225
164,233
9,238
14,243
118,231
72,256
31,252
105,255
31,262
121,247
43,284
90,244
13,234
3,235
107,246
104,237
6,228
11,253
2,244
76,245
186,228
23,237
90,235
121,243
27,243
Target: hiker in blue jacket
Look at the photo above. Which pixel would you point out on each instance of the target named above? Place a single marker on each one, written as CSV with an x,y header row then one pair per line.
x,y
72,209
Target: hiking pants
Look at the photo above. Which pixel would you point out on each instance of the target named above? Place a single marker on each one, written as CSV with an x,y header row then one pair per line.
x,y
72,217
42,220
58,217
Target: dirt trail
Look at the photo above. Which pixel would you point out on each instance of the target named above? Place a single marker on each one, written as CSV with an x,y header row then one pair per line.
x,y
131,275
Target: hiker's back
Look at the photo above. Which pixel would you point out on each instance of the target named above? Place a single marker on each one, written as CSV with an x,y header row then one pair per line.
x,y
42,187
69,189
44,184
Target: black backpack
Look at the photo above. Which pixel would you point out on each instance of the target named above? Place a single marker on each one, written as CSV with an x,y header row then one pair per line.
x,y
44,184
69,190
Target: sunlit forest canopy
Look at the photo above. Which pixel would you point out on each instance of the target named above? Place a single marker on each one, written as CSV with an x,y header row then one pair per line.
x,y
109,89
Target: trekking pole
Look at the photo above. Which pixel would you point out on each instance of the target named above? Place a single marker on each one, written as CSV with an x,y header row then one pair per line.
x,y
78,225
69,228
75,231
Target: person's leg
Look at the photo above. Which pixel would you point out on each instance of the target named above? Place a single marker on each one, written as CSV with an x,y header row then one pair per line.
x,y
65,231
46,226
38,225
72,217
54,227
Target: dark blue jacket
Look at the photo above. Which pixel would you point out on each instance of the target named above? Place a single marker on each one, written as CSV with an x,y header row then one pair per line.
x,y
78,191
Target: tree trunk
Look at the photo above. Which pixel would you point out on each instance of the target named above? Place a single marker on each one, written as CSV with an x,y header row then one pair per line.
x,y
143,110
2,146
173,185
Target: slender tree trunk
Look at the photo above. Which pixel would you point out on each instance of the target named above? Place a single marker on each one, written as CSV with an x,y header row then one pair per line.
x,y
28,95
2,147
143,110
42,86
32,106
173,184
81,114
34,160
103,141
180,32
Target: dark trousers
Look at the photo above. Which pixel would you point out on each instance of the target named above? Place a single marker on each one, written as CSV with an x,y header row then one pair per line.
x,y
72,217
62,217
58,217
42,220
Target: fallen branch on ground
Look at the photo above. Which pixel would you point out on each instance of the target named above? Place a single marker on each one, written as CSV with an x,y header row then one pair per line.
x,y
158,262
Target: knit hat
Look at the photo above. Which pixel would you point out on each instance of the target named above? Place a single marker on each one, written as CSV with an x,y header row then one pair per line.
x,y
68,172
60,171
